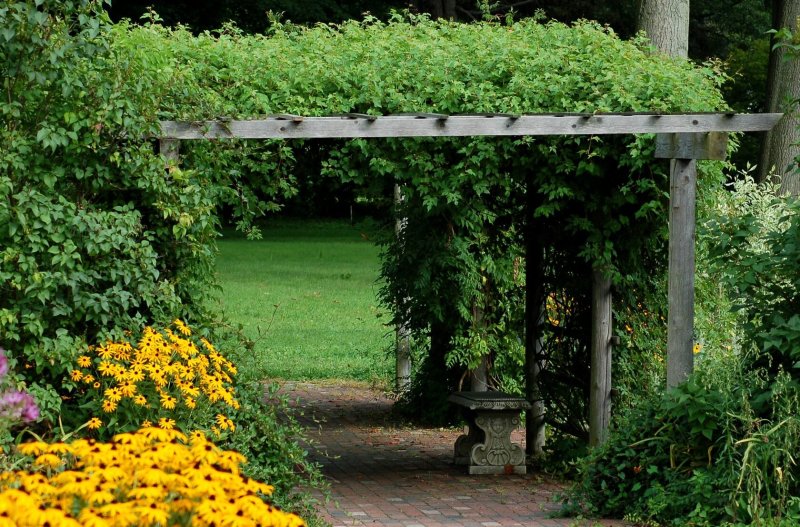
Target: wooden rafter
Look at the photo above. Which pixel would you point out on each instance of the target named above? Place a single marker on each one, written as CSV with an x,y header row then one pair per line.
x,y
683,138
436,125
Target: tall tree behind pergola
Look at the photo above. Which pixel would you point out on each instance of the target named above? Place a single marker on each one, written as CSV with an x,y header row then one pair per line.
x,y
781,145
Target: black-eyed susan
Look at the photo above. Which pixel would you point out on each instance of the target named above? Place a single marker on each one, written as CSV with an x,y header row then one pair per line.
x,y
113,394
182,328
163,375
151,477
94,423
166,423
48,460
168,402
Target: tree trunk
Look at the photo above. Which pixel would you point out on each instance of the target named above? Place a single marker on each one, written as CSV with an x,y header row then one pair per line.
x,y
450,9
780,147
666,23
443,9
479,377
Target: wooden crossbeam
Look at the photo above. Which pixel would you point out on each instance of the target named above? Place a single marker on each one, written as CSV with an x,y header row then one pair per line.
x,y
434,125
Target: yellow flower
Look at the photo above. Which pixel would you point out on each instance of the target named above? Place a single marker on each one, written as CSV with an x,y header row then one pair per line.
x,y
113,394
140,399
76,375
146,424
48,460
167,401
106,369
697,347
222,421
109,406
104,352
84,361
94,423
181,327
88,378
166,424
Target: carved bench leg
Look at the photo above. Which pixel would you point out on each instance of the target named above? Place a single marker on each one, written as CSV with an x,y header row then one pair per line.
x,y
496,454
465,442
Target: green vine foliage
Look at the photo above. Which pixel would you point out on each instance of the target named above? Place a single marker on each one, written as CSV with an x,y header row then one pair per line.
x,y
457,275
76,155
721,448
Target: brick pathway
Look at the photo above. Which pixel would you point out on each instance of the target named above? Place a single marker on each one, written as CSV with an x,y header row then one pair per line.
x,y
385,475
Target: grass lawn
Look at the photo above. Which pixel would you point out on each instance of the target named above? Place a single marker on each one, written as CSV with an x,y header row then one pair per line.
x,y
306,294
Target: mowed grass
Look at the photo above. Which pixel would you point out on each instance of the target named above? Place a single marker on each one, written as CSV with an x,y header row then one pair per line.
x,y
306,294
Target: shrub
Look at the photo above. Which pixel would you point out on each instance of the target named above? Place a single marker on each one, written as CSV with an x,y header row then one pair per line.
x,y
270,437
720,448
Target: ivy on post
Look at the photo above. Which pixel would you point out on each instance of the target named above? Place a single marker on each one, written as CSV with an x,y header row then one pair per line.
x,y
684,150
170,149
402,332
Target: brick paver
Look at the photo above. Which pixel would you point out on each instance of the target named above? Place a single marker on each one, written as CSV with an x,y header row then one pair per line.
x,y
386,475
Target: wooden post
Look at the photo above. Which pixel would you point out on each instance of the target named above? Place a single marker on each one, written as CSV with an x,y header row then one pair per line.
x,y
534,320
680,319
170,149
600,387
402,334
683,150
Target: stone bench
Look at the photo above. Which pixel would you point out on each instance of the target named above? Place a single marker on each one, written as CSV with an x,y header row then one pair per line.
x,y
487,446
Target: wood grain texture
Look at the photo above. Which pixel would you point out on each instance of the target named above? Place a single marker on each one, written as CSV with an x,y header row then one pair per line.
x,y
170,149
711,145
600,384
680,318
465,125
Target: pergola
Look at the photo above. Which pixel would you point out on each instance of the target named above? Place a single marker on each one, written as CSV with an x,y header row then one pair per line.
x,y
682,138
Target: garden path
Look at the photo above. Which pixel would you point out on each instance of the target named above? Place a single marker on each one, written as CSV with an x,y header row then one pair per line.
x,y
383,474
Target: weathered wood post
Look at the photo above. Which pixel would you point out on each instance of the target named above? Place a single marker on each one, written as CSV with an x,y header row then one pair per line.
x,y
402,334
600,384
683,150
170,149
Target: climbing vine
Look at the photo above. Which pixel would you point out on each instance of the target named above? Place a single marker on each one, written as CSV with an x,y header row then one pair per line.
x,y
81,181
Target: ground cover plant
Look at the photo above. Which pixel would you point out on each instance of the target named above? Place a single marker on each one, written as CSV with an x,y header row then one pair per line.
x,y
306,295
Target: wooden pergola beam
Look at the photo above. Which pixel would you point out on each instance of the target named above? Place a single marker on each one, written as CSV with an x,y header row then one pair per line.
x,y
683,138
427,125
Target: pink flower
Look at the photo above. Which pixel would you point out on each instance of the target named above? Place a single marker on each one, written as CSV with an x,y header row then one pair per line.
x,y
18,405
3,362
